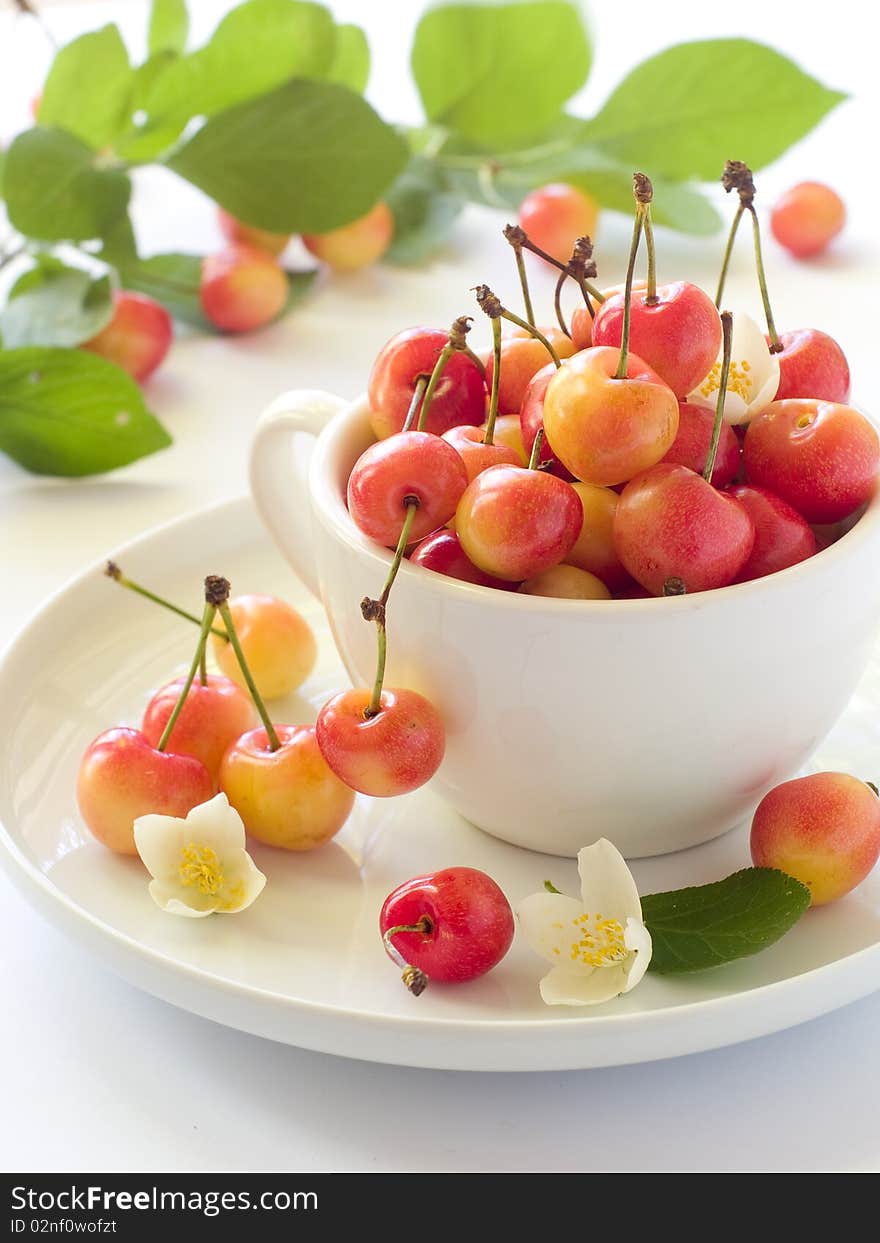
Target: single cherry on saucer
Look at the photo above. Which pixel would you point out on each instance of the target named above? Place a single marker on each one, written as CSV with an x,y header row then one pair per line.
x,y
450,926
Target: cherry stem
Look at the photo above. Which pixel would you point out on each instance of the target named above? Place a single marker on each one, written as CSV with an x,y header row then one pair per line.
x,y
775,343
203,667
488,439
418,394
727,339
651,298
455,344
527,244
226,614
374,610
207,618
728,251
533,332
536,450
413,977
113,571
523,277
674,586
620,373
557,304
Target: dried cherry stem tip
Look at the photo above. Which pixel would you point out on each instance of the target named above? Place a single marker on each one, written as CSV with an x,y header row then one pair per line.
x,y
643,191
524,241
112,570
674,586
413,977
217,589
491,305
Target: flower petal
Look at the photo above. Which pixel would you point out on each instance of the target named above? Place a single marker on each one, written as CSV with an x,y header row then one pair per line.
x,y
753,379
607,885
159,841
243,882
565,988
636,938
196,904
217,825
547,921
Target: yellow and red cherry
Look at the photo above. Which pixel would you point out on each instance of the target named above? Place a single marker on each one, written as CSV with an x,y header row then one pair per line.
x,y
594,549
566,582
811,364
582,320
782,536
513,522
138,336
449,926
443,553
671,523
522,357
508,431
478,456
240,234
242,288
214,714
122,776
807,218
287,797
278,644
823,829
459,397
693,440
604,429
390,751
354,245
821,457
531,421
409,466
556,215
677,332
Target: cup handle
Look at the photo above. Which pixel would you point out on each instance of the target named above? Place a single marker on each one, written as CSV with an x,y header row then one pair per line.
x,y
279,463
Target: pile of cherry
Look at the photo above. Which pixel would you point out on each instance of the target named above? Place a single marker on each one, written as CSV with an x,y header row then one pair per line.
x,y
628,489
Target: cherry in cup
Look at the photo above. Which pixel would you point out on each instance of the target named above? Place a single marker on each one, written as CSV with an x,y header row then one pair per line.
x,y
410,357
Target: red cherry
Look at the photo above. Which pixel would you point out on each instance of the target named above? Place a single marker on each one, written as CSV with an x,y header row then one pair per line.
x,y
393,752
782,537
513,522
671,523
357,244
821,457
239,233
556,215
522,357
811,364
679,335
212,717
407,465
531,420
121,776
460,395
806,218
691,445
242,288
477,456
138,336
464,922
443,553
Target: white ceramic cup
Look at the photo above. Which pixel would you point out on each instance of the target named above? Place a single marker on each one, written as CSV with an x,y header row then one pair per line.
x,y
656,723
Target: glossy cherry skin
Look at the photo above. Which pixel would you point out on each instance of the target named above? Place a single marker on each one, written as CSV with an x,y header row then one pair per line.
x,y
807,217
531,421
212,717
782,536
556,215
509,432
138,336
408,464
691,445
121,776
287,798
671,523
393,752
582,320
241,234
443,553
812,364
357,244
513,522
471,923
460,395
566,582
242,288
278,644
594,549
821,457
477,456
679,336
606,430
823,829
522,357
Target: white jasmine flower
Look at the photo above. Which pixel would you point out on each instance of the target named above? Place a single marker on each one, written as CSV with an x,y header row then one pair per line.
x,y
599,946
753,379
199,865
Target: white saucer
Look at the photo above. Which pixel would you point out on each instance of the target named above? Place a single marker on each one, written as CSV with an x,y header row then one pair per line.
x,y
305,964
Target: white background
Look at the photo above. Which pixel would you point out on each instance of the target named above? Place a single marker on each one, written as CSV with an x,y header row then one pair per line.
x,y
96,1076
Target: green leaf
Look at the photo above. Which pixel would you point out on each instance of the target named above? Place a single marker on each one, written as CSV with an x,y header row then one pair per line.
x,y
693,929
56,190
148,137
351,59
499,74
685,111
305,158
88,89
55,305
424,213
68,412
169,26
256,47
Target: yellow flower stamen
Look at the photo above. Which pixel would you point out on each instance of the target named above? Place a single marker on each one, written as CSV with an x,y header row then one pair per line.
x,y
201,868
599,944
739,380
